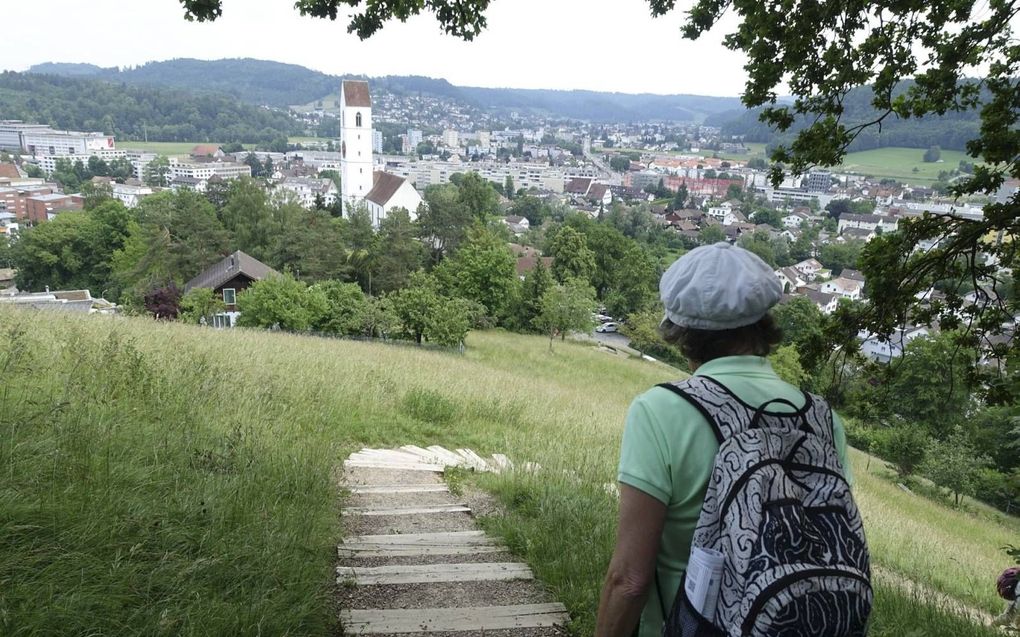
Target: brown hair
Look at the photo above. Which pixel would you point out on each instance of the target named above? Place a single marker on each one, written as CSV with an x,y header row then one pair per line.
x,y
701,346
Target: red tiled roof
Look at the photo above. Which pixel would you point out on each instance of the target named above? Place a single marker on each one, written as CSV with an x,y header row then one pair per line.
x,y
204,150
355,93
578,186
9,171
527,263
384,186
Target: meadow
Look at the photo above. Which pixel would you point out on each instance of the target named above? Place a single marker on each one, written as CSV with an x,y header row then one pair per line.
x,y
163,479
899,164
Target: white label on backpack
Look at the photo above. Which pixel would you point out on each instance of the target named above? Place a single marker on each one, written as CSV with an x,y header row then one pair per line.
x,y
704,577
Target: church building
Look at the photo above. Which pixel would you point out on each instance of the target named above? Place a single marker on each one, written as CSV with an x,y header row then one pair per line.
x,y
360,184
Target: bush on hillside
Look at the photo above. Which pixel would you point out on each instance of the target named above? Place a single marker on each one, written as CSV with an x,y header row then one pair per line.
x,y
904,446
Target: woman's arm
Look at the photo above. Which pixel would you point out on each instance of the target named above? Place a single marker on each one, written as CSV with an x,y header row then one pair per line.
x,y
632,568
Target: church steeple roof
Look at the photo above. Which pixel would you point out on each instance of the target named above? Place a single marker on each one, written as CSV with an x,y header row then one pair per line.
x,y
355,93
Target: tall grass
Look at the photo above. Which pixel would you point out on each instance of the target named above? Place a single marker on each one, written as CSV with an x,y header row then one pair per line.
x,y
166,479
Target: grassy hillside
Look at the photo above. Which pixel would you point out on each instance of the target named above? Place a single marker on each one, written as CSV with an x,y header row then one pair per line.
x,y
166,479
899,164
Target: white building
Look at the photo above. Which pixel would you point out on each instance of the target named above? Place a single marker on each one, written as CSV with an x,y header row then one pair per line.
x,y
389,192
524,175
206,170
451,138
810,268
794,219
355,142
723,213
64,143
870,223
847,288
130,195
414,137
377,142
12,130
884,350
48,163
307,188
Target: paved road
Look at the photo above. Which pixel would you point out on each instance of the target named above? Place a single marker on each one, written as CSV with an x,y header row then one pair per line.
x,y
611,338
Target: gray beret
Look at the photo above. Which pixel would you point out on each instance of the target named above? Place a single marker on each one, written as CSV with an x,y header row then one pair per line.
x,y
719,287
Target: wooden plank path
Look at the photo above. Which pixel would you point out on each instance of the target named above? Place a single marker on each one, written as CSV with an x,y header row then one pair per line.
x,y
475,619
425,563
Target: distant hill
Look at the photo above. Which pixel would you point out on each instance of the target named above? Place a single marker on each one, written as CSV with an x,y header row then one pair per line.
x,y
950,131
90,102
275,84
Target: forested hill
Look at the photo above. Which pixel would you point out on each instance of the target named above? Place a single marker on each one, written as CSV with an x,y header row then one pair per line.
x,y
950,131
274,84
132,112
254,81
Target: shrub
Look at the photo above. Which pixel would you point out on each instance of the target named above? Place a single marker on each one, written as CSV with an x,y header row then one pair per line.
x,y
903,446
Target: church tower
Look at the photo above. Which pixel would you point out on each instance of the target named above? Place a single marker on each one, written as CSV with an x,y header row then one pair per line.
x,y
355,143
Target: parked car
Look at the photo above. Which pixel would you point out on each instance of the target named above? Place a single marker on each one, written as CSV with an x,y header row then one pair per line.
x,y
608,327
602,318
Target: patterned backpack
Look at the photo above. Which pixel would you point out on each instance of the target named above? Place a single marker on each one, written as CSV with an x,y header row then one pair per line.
x,y
779,509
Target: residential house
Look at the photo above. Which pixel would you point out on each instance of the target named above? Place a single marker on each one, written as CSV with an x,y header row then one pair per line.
x,y
189,183
600,195
826,302
856,234
856,275
233,274
847,288
388,192
128,194
810,268
791,279
795,219
207,152
529,260
578,186
308,189
517,224
883,350
872,223
723,213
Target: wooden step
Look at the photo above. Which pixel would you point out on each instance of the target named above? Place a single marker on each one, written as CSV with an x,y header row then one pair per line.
x,y
422,510
478,618
400,488
371,463
433,573
416,544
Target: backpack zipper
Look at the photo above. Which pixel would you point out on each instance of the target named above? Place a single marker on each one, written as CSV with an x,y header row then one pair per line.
x,y
789,466
783,582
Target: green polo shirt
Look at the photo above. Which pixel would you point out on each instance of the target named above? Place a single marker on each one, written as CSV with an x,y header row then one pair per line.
x,y
668,451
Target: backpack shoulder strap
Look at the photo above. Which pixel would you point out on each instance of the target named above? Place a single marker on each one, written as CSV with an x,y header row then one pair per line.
x,y
708,396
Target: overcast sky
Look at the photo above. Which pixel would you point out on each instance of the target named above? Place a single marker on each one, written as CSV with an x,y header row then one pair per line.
x,y
607,45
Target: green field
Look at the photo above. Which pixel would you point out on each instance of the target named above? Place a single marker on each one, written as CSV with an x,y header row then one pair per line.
x,y
162,479
755,150
899,163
